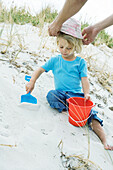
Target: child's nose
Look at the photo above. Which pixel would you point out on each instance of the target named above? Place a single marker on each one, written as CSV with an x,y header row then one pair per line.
x,y
64,50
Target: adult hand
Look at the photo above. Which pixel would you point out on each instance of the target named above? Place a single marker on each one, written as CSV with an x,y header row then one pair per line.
x,y
54,29
89,34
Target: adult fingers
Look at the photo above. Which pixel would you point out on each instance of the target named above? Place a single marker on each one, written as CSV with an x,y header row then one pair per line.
x,y
86,42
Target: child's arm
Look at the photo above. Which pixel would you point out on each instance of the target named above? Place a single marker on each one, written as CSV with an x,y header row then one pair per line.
x,y
35,76
85,86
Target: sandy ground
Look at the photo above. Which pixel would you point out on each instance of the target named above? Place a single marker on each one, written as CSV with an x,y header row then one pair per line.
x,y
30,134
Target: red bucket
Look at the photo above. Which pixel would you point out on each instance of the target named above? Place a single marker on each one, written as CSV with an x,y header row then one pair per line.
x,y
79,110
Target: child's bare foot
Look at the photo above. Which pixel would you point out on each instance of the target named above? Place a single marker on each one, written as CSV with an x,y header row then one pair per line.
x,y
108,147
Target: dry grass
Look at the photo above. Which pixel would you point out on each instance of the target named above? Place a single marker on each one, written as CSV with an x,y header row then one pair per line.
x,y
104,77
76,162
102,73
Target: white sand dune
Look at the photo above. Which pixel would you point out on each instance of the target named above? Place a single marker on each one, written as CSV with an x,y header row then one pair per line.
x,y
30,134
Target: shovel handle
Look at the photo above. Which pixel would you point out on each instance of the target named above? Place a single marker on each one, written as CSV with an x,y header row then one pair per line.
x,y
29,92
27,78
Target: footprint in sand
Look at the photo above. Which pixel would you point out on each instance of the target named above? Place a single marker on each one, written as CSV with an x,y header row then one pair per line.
x,y
45,127
3,128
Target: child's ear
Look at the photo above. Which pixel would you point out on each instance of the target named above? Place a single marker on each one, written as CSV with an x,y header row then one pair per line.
x,y
57,41
74,48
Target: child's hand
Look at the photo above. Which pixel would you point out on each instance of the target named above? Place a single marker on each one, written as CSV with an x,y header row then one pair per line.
x,y
29,86
87,96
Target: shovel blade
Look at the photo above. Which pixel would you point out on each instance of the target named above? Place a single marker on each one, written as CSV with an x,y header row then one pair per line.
x,y
28,98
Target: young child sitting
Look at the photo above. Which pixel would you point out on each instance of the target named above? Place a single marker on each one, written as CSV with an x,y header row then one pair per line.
x,y
70,75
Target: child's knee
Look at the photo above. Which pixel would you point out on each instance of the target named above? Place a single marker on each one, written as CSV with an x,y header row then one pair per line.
x,y
52,96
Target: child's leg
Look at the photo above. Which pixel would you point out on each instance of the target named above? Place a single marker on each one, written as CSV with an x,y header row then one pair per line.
x,y
57,100
97,128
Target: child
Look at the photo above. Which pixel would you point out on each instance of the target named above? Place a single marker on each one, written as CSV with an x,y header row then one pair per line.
x,y
70,71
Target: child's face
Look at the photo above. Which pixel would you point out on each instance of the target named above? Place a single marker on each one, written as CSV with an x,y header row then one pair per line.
x,y
65,48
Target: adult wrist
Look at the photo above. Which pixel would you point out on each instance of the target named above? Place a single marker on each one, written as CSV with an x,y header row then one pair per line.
x,y
58,22
97,29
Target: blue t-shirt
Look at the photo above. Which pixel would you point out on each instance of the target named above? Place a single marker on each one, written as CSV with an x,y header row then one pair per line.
x,y
67,74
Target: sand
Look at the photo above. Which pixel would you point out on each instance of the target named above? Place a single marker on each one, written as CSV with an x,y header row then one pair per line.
x,y
37,137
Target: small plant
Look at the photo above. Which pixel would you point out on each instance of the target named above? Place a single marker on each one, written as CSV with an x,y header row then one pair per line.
x,y
48,15
104,38
83,25
74,162
21,16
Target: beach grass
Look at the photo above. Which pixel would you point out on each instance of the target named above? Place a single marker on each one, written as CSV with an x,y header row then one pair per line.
x,y
73,162
21,16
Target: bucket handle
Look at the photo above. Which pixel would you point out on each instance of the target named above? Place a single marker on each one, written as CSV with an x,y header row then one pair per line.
x,y
81,120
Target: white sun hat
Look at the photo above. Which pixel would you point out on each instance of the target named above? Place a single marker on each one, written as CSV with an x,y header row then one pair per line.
x,y
72,27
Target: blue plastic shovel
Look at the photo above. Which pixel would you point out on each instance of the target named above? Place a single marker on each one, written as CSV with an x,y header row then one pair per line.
x,y
28,98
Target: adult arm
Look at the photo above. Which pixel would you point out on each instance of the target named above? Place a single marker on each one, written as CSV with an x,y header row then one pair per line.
x,y
70,8
91,32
